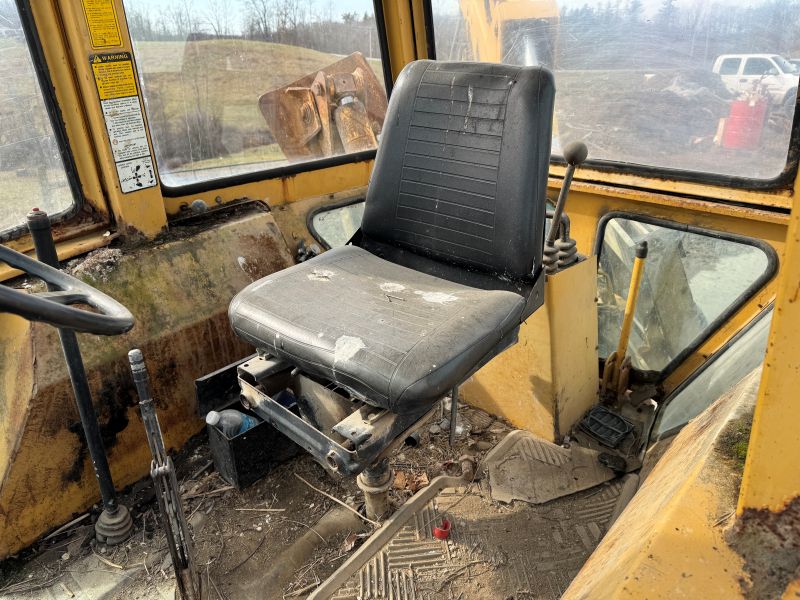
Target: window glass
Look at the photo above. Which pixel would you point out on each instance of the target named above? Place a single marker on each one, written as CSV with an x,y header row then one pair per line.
x,y
689,280
758,66
234,87
641,82
335,226
730,66
727,369
32,172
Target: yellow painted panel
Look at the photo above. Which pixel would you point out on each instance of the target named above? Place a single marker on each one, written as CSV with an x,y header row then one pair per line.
x,y
549,378
771,477
178,292
670,541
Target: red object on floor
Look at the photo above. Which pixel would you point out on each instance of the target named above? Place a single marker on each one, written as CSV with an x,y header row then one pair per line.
x,y
442,532
745,124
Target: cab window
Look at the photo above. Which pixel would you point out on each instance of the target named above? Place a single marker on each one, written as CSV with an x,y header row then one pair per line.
x,y
758,66
730,66
637,81
235,88
693,280
32,170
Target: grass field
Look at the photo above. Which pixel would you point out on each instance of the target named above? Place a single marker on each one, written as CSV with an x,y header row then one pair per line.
x,y
30,164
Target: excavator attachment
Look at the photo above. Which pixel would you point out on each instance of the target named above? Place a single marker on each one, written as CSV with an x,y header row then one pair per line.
x,y
336,110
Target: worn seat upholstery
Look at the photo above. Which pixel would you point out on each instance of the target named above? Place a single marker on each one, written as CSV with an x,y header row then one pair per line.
x,y
443,270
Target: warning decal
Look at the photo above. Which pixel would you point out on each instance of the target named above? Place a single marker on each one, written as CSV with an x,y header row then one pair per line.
x,y
122,111
101,18
114,75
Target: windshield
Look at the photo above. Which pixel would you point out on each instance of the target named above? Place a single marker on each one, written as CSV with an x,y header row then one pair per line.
x,y
785,65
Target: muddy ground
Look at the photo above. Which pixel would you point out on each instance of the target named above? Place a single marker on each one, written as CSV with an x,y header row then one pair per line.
x,y
238,535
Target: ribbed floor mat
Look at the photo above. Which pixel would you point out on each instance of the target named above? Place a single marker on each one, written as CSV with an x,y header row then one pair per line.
x,y
495,552
524,467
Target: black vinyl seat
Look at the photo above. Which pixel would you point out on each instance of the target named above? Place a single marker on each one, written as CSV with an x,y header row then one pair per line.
x,y
447,263
399,338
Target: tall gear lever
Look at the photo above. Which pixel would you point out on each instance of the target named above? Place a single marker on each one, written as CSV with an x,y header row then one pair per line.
x,y
560,253
616,371
114,525
162,471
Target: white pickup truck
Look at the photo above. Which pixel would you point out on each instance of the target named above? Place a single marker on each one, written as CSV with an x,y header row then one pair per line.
x,y
741,73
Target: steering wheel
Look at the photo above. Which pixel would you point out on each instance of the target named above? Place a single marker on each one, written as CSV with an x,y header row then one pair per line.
x,y
53,307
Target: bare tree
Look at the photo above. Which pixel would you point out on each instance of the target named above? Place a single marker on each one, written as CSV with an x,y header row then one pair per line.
x,y
218,17
181,19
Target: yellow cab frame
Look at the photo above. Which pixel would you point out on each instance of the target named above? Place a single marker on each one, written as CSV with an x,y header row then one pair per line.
x,y
771,480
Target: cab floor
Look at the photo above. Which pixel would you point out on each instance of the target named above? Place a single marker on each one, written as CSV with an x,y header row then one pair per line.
x,y
494,551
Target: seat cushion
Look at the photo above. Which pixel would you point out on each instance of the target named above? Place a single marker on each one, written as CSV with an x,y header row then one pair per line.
x,y
397,337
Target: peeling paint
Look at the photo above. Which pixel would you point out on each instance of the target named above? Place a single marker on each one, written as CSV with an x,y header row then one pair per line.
x,y
346,348
392,287
320,275
436,297
469,106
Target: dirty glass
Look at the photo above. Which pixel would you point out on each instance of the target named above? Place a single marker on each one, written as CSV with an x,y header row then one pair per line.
x,y
238,86
335,226
644,82
31,168
725,371
689,280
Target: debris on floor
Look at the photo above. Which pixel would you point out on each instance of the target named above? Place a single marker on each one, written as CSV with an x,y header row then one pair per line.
x,y
237,535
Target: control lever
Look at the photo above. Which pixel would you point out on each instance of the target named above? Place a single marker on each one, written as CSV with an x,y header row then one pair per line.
x,y
162,471
575,154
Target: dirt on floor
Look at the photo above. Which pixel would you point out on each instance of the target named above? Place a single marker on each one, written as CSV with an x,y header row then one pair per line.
x,y
240,534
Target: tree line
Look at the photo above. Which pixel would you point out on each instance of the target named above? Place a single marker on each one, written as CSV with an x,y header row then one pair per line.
x,y
292,22
621,34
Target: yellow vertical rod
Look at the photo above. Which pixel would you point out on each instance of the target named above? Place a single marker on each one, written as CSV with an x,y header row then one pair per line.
x,y
630,306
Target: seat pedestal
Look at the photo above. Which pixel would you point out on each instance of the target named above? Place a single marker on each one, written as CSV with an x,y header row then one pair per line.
x,y
375,482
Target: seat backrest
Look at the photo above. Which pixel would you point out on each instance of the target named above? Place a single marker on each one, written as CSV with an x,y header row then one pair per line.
x,y
461,170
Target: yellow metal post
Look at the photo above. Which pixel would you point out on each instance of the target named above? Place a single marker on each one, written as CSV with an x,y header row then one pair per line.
x,y
633,296
771,477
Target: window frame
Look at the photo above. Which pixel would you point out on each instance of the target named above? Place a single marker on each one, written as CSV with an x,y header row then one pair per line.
x,y
199,187
782,182
771,271
50,101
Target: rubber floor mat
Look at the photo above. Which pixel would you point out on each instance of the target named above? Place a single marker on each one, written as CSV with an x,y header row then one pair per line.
x,y
524,467
494,552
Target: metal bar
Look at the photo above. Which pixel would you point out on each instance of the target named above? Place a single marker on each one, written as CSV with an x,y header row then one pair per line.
x,y
39,225
453,415
162,471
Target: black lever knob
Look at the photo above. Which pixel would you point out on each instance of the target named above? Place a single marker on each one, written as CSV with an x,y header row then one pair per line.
x,y
576,153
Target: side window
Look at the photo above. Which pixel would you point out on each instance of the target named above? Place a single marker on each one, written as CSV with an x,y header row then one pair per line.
x,y
636,80
730,66
32,172
724,370
691,280
757,66
333,226
235,87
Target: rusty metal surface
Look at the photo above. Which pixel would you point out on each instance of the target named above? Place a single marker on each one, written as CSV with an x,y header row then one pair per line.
x,y
178,291
302,114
